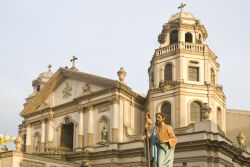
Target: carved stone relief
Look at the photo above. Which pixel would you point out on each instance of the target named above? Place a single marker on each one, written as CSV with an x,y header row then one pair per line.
x,y
37,125
115,100
26,163
67,91
86,89
103,109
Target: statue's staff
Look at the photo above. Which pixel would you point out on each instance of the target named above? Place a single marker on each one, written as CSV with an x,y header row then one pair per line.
x,y
148,122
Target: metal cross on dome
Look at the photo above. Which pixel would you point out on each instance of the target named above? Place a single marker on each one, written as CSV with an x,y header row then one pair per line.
x,y
181,6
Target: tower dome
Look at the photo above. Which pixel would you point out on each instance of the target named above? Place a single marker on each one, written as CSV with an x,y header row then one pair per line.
x,y
182,27
182,16
39,82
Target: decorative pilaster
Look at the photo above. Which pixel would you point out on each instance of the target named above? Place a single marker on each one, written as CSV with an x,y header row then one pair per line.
x,y
50,131
90,126
80,131
42,144
90,139
156,75
28,138
115,119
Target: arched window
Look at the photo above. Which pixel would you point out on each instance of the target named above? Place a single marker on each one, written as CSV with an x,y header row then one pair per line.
x,y
166,110
212,76
168,72
219,117
198,39
38,87
173,36
195,112
188,37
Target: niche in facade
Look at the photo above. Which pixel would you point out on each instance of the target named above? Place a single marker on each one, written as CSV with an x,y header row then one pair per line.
x,y
24,143
67,131
36,142
103,129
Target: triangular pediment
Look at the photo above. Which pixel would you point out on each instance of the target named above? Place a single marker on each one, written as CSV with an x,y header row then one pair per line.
x,y
64,86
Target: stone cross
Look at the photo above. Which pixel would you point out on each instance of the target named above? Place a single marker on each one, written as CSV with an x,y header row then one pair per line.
x,y
73,63
182,6
49,67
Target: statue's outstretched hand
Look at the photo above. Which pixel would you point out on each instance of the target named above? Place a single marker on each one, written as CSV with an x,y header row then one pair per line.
x,y
164,141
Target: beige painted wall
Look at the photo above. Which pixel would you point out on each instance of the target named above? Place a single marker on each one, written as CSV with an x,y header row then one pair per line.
x,y
238,121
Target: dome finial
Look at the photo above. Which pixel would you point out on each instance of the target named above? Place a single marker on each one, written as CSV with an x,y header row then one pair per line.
x,y
181,6
121,74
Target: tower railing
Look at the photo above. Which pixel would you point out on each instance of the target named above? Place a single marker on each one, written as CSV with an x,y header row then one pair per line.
x,y
184,46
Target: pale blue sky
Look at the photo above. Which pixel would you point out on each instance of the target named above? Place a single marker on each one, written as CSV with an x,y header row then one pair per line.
x,y
107,35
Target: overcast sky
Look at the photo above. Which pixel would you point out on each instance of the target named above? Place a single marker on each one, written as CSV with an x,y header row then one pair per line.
x,y
106,35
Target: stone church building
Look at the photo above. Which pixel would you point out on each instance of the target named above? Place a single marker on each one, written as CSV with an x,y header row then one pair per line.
x,y
73,118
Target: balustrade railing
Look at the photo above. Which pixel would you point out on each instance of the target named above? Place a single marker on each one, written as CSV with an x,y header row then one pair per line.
x,y
182,46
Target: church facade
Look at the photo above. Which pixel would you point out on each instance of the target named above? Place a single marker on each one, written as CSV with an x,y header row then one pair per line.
x,y
79,118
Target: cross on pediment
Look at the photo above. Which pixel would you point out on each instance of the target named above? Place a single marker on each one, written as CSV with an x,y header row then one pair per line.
x,y
181,6
73,63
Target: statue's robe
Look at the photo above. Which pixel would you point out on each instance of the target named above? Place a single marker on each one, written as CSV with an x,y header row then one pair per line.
x,y
162,154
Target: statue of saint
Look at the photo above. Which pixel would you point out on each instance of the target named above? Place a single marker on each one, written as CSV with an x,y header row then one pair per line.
x,y
162,143
104,134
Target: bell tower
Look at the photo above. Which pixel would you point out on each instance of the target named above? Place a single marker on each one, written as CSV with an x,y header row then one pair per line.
x,y
183,75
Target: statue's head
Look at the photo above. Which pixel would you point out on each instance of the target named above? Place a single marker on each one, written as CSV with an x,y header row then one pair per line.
x,y
160,117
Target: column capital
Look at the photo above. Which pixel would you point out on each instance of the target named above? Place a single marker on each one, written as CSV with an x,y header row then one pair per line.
x,y
115,100
90,108
50,116
80,108
43,120
27,124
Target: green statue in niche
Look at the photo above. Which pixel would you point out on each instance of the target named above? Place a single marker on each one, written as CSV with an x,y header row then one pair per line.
x,y
104,134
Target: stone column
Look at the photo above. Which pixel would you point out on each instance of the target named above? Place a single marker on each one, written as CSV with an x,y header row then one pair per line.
x,y
42,144
81,128
161,74
50,132
28,138
115,119
181,36
90,126
156,75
